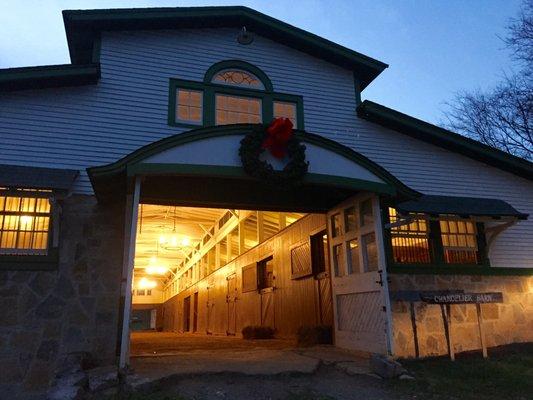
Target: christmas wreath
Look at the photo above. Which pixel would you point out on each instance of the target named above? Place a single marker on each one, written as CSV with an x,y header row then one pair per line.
x,y
278,138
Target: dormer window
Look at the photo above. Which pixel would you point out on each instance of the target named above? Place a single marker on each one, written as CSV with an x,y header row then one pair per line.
x,y
232,92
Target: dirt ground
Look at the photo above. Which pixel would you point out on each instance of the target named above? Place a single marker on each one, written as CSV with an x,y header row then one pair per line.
x,y
167,343
327,383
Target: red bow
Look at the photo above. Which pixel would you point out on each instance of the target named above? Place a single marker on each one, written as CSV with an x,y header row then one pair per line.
x,y
279,132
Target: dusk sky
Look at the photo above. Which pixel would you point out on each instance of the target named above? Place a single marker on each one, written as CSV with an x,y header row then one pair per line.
x,y
434,48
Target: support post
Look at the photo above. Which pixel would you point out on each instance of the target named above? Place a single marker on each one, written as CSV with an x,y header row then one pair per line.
x,y
447,320
481,330
378,223
415,329
131,222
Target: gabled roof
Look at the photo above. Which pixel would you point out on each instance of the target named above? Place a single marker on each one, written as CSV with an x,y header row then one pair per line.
x,y
441,137
84,26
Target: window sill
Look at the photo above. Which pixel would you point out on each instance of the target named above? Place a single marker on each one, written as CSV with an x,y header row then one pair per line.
x,y
49,262
185,124
447,269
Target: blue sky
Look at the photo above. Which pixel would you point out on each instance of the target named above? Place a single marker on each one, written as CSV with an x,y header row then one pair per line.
x,y
434,48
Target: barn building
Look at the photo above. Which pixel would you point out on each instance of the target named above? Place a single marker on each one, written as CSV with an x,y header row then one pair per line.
x,y
144,186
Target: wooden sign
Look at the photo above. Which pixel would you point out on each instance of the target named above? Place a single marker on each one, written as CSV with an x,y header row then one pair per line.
x,y
464,298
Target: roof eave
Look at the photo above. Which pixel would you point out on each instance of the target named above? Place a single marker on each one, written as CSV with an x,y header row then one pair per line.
x,y
441,137
48,76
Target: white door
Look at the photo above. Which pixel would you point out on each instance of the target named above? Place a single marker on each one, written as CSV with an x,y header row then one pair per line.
x,y
358,275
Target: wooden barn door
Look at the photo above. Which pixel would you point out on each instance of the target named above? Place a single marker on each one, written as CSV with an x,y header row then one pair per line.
x,y
358,275
195,313
320,265
267,308
210,311
231,300
187,314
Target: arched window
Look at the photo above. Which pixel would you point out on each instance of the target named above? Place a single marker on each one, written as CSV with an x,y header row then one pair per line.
x,y
232,92
236,77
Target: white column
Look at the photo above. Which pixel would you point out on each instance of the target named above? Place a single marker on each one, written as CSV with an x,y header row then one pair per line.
x,y
129,256
384,275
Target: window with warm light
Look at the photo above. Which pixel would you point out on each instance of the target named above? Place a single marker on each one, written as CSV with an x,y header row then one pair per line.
x,y
25,222
458,241
419,239
286,110
189,106
232,92
237,110
410,242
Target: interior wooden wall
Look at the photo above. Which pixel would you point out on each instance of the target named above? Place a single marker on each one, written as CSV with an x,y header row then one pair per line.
x,y
295,301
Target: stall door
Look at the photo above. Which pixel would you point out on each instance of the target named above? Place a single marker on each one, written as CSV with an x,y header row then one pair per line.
x,y
210,311
187,314
231,300
358,276
195,313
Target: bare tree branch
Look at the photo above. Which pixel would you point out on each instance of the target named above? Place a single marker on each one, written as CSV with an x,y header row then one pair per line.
x,y
503,116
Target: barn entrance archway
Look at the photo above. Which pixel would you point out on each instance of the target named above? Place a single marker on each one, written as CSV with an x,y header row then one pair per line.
x,y
201,169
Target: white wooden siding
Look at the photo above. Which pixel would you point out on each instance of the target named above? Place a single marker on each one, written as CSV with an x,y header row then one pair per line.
x,y
95,125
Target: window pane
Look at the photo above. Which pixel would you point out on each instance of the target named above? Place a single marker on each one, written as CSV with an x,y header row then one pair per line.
x,y
459,241
370,251
235,77
353,257
337,260
350,219
285,110
189,106
237,110
336,225
367,217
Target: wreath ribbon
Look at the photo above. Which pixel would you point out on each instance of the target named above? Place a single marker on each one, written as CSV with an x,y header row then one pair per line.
x,y
279,132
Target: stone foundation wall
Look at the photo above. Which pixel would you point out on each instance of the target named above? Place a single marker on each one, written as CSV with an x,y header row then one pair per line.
x,y
47,315
509,322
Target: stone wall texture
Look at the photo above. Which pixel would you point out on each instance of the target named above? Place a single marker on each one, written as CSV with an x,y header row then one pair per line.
x,y
47,316
508,322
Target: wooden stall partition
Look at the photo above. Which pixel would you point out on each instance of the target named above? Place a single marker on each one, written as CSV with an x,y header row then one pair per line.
x,y
230,299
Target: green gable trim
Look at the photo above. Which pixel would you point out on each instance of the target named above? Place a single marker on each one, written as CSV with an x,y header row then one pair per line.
x,y
121,167
459,270
48,76
82,26
238,173
210,90
443,138
238,64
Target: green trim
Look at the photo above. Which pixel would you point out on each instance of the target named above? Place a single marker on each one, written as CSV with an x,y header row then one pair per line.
x,y
100,176
82,26
443,138
357,90
238,172
48,262
434,269
238,64
210,90
48,76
